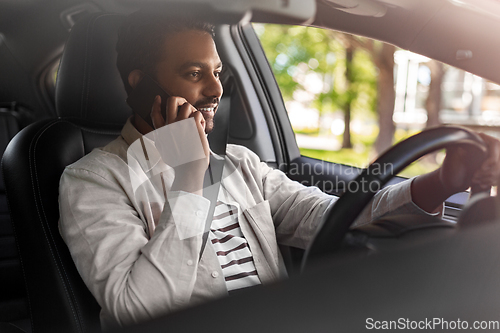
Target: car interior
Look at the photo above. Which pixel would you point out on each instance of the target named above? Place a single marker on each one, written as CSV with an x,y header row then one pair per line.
x,y
402,266
91,108
13,303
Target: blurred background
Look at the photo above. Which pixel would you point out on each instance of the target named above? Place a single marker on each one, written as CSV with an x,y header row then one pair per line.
x,y
349,98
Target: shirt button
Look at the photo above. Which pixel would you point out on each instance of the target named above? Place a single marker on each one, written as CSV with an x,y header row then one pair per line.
x,y
199,213
215,274
190,262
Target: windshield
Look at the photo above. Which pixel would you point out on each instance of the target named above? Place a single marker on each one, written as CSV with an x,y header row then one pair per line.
x,y
350,98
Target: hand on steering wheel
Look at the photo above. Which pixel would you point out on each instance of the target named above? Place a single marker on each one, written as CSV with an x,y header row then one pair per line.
x,y
330,234
459,172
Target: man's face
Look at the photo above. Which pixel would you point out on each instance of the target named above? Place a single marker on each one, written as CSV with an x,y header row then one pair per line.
x,y
190,69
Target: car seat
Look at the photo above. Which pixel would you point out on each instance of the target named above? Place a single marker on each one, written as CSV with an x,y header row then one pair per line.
x,y
13,304
90,101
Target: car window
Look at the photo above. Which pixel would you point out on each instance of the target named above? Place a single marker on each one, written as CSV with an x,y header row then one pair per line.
x,y
329,79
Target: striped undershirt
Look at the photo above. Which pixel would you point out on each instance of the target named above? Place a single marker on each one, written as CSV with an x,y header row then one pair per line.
x,y
232,248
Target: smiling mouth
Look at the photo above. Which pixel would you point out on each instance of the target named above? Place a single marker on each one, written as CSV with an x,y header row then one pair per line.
x,y
207,109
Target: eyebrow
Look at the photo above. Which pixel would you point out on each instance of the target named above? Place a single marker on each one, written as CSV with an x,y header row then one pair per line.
x,y
198,64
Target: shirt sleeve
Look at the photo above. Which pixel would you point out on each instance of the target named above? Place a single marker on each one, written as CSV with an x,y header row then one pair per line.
x,y
392,200
133,277
298,210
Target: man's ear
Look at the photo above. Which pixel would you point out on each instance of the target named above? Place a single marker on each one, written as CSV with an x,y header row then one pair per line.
x,y
135,77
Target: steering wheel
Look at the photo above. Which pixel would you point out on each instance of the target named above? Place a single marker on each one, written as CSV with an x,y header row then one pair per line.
x,y
331,232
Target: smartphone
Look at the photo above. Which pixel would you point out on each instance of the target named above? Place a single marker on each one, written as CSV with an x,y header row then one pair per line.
x,y
142,97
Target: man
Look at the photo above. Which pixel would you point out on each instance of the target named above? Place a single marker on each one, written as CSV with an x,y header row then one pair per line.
x,y
133,216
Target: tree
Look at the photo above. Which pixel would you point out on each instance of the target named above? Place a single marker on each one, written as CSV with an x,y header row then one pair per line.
x,y
346,139
348,75
382,55
433,101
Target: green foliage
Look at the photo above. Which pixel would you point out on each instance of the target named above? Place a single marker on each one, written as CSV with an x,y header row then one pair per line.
x,y
294,52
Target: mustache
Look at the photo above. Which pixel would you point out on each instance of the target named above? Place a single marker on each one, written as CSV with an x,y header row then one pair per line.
x,y
205,101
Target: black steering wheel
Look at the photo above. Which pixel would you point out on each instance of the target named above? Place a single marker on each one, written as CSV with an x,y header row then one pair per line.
x,y
331,232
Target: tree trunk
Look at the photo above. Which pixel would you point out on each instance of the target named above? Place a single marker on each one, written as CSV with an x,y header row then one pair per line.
x,y
433,102
346,138
386,97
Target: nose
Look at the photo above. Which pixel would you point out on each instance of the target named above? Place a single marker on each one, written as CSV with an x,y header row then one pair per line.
x,y
213,87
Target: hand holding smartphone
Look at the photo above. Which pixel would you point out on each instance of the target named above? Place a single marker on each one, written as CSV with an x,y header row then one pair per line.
x,y
142,97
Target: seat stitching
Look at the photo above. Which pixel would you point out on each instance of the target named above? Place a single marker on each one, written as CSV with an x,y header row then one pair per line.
x,y
20,259
47,232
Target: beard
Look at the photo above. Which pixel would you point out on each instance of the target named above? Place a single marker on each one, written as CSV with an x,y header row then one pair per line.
x,y
209,117
209,124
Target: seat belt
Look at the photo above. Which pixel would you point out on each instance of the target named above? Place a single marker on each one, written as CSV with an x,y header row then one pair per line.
x,y
213,175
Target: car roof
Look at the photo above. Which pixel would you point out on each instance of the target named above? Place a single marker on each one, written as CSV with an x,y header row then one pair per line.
x,y
457,32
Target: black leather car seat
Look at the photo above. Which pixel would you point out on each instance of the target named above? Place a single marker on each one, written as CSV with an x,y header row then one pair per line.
x,y
13,303
90,101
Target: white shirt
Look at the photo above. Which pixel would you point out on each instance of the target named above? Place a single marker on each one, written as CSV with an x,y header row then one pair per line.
x,y
139,254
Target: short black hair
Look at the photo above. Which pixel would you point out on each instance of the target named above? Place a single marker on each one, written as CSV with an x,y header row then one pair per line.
x,y
142,35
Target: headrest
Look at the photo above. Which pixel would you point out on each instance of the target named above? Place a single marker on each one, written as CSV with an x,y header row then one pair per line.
x,y
88,84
